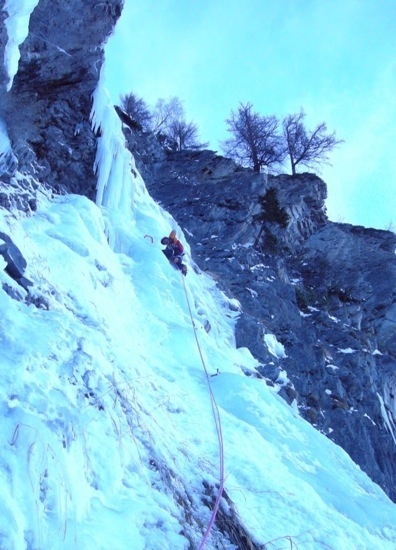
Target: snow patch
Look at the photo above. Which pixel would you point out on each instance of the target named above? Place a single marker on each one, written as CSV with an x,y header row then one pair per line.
x,y
258,267
283,379
346,350
252,292
274,347
334,319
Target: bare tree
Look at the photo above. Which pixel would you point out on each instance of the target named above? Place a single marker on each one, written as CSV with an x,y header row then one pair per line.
x,y
166,111
309,148
254,140
184,135
171,128
167,121
136,108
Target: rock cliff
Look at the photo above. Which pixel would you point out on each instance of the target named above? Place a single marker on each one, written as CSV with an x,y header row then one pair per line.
x,y
47,109
325,290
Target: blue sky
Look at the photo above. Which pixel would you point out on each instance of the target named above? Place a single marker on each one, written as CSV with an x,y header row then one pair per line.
x,y
336,59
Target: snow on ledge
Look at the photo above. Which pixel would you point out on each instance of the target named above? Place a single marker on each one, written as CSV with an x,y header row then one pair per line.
x,y
274,347
346,350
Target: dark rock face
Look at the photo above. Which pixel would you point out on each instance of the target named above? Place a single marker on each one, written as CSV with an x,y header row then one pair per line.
x,y
3,40
47,111
16,263
326,291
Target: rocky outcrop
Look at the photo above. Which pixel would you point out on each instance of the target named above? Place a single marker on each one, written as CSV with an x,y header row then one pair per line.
x,y
320,292
15,264
47,110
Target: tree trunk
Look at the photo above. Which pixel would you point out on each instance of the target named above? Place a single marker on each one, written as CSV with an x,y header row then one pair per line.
x,y
293,166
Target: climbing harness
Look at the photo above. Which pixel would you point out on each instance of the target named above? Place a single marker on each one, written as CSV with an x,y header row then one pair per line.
x,y
216,416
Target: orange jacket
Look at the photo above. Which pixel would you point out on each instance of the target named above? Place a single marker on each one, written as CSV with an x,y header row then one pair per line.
x,y
179,249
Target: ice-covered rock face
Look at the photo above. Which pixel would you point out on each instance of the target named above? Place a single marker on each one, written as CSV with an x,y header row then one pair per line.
x,y
47,109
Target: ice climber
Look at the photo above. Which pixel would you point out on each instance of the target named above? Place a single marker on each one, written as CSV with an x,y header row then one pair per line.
x,y
174,251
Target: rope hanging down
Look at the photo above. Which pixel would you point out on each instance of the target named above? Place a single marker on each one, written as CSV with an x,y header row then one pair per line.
x,y
216,415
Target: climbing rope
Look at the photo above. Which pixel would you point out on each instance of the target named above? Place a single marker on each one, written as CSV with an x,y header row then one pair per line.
x,y
216,415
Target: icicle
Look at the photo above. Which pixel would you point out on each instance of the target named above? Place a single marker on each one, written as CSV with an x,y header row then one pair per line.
x,y
114,163
387,418
17,25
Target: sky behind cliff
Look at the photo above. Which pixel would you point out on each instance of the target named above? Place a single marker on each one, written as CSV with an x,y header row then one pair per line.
x,y
335,59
